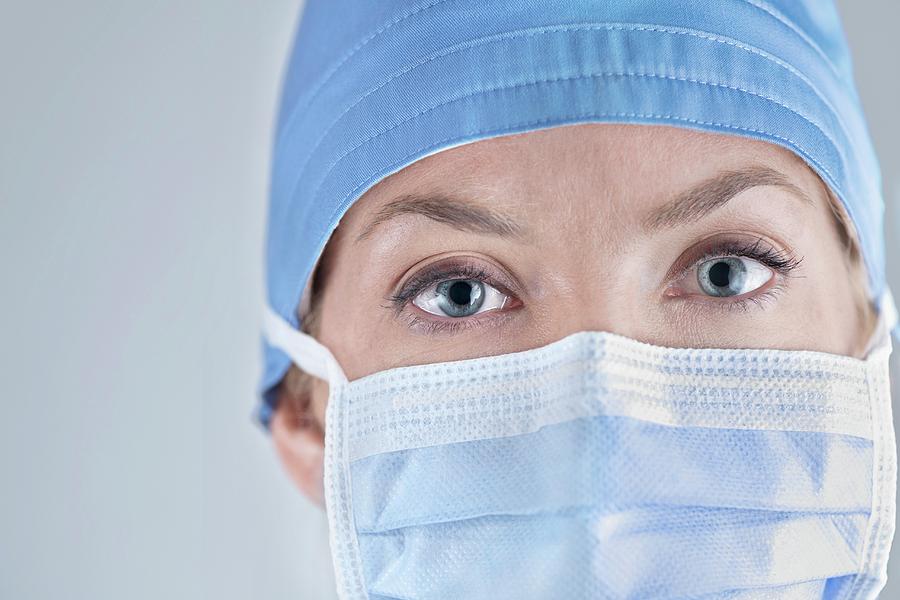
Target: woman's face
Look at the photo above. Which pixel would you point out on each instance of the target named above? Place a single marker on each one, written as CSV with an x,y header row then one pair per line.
x,y
662,234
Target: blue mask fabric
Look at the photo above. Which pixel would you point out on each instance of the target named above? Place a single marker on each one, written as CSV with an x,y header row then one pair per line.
x,y
601,467
371,87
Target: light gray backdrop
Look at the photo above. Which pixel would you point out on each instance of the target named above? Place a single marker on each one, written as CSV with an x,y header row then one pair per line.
x,y
134,141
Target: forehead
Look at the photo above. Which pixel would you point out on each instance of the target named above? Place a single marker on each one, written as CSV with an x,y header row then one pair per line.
x,y
624,169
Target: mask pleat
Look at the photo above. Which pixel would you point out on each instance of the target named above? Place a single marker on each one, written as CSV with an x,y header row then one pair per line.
x,y
642,553
611,464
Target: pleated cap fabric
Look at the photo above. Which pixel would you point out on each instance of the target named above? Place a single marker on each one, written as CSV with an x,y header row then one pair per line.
x,y
371,87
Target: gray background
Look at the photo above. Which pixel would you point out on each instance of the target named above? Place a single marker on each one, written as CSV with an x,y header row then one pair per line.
x,y
134,148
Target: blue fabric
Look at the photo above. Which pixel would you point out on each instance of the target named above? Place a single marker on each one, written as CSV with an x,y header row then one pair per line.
x,y
668,511
371,87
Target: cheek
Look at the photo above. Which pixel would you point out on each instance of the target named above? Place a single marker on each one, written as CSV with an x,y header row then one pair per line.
x,y
827,297
354,326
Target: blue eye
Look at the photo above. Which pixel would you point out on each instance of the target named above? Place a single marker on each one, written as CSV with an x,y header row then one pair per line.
x,y
731,276
459,298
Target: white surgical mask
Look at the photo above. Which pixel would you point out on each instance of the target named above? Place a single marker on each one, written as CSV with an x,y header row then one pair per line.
x,y
598,466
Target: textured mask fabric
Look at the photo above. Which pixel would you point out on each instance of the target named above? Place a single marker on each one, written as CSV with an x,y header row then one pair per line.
x,y
371,87
598,466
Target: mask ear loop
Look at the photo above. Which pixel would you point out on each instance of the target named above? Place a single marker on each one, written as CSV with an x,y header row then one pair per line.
x,y
303,349
892,314
887,324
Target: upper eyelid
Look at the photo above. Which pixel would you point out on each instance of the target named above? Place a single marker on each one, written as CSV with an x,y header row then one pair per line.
x,y
454,271
754,250
729,248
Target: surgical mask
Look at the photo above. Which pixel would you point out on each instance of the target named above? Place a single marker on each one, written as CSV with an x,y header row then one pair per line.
x,y
599,466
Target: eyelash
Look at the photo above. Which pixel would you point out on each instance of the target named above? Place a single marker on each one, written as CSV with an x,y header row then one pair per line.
x,y
422,281
418,283
781,261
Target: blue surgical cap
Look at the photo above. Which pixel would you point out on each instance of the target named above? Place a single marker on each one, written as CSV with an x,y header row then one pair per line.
x,y
373,86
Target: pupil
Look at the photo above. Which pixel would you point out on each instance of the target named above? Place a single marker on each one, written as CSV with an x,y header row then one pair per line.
x,y
719,274
460,292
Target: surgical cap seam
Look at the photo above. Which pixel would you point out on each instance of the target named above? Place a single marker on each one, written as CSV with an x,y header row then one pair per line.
x,y
313,94
648,75
538,82
341,207
530,32
793,27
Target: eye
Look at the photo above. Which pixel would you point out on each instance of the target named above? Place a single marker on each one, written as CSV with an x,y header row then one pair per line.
x,y
459,298
731,269
732,276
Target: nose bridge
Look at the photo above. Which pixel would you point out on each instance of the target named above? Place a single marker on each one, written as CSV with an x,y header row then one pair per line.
x,y
591,293
605,310
591,236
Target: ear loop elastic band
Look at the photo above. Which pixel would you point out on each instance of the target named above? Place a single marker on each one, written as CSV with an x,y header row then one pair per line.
x,y
306,352
886,324
891,314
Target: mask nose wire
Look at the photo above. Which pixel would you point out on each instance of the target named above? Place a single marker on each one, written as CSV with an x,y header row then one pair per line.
x,y
304,350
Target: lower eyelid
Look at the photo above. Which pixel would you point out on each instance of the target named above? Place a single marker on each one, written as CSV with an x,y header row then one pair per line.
x,y
700,304
756,299
434,324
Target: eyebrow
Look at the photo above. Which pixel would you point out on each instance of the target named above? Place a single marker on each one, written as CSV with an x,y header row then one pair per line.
x,y
456,212
690,205
715,192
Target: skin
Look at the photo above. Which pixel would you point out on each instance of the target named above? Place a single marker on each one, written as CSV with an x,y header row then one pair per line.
x,y
599,184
